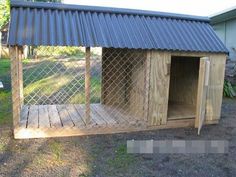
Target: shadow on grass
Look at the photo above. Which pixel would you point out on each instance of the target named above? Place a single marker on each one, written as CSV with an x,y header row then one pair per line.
x,y
52,82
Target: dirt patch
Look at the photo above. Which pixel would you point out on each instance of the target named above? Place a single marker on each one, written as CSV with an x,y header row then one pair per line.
x,y
105,155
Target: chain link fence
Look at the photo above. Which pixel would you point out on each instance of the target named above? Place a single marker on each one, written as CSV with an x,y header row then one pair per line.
x,y
56,76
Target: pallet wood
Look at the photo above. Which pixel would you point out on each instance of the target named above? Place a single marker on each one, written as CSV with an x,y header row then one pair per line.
x,y
159,84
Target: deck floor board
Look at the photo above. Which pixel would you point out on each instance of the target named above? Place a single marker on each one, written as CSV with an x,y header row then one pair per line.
x,y
68,120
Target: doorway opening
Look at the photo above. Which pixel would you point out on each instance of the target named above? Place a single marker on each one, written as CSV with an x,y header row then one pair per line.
x,y
183,87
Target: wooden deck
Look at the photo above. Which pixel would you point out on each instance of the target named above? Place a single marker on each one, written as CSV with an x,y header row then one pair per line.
x,y
67,120
41,121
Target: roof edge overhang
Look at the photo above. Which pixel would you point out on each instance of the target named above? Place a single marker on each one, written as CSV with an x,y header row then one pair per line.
x,y
61,6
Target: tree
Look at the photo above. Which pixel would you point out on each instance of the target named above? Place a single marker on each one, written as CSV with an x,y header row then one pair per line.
x,y
4,12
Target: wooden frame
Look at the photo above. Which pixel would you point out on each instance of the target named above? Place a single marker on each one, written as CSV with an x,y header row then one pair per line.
x,y
157,76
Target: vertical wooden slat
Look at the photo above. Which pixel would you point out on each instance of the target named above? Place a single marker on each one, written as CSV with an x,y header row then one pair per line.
x,y
159,87
15,69
215,87
87,86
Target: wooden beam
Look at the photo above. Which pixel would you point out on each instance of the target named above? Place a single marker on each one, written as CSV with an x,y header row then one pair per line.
x,y
87,86
16,89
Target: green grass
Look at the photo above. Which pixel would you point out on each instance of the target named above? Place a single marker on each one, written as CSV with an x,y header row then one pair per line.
x,y
5,94
4,66
56,149
49,78
45,79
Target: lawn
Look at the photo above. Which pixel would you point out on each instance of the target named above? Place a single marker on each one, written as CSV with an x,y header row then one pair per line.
x,y
49,81
5,93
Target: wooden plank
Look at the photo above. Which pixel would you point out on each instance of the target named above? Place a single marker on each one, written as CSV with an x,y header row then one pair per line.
x,y
87,85
65,117
98,108
33,118
215,88
97,118
80,108
44,121
54,116
201,93
16,104
24,116
159,87
21,133
76,118
181,111
119,118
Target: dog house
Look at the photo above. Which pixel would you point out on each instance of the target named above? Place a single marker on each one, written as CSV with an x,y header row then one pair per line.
x,y
154,70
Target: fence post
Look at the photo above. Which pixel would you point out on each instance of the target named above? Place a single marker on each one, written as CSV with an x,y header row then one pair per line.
x,y
15,83
87,85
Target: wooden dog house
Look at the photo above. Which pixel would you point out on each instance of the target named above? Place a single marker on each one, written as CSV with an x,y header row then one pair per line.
x,y
159,70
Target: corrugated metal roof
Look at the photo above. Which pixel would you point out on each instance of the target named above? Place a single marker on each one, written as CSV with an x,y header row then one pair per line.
x,y
72,25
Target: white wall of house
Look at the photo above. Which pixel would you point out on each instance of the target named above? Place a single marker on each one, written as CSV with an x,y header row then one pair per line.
x,y
227,33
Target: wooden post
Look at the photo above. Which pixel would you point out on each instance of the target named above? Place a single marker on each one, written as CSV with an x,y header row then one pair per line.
x,y
87,85
21,77
16,89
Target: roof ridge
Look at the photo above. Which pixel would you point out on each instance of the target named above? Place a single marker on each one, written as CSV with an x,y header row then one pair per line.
x,y
60,6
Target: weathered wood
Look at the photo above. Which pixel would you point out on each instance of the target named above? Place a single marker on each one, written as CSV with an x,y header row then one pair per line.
x,y
159,88
87,86
109,119
44,117
16,89
54,116
33,118
75,116
24,116
21,133
65,117
202,93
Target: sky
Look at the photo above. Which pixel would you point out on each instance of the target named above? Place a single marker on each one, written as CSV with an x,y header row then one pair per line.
x,y
191,7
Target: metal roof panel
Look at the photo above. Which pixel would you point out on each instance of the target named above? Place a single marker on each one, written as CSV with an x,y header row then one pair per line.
x,y
66,25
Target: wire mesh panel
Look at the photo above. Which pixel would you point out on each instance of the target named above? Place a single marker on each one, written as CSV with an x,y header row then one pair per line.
x,y
124,76
54,75
118,80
